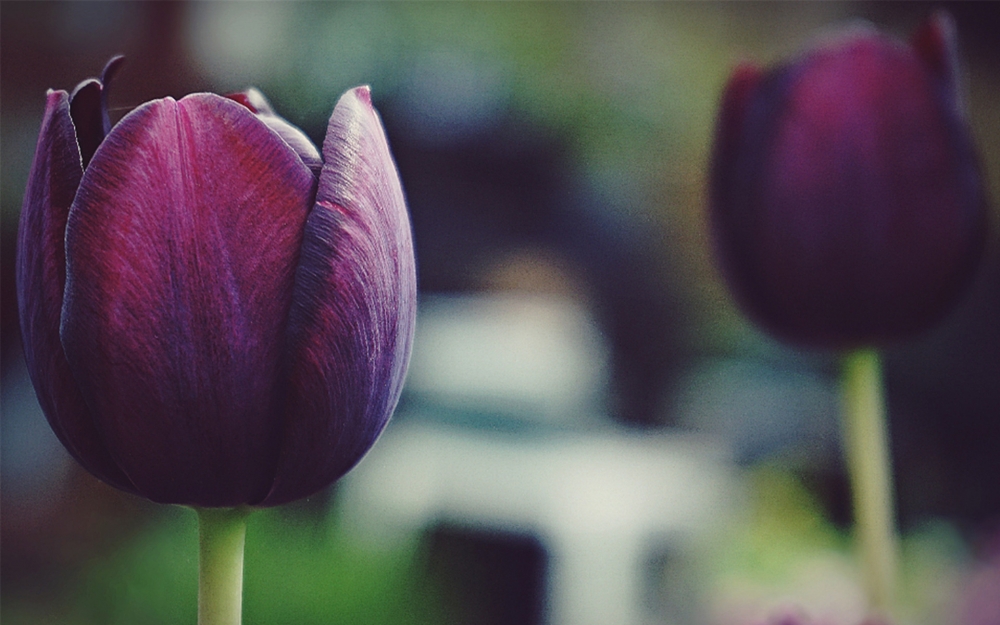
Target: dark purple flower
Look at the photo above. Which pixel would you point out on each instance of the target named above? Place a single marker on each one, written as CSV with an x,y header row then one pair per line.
x,y
214,313
847,201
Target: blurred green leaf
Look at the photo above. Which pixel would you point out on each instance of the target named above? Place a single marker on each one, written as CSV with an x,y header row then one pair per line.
x,y
296,571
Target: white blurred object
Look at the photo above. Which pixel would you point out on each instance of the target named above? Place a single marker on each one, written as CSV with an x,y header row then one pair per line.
x,y
524,356
602,500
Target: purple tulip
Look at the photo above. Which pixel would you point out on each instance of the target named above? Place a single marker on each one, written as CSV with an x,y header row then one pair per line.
x,y
214,313
847,201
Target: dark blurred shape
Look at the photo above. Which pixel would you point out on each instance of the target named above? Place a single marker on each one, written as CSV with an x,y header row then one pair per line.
x,y
493,578
944,410
477,199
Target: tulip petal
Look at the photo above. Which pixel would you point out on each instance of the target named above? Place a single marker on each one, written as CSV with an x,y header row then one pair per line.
x,y
181,251
729,170
41,276
85,109
107,75
353,312
254,100
733,109
89,110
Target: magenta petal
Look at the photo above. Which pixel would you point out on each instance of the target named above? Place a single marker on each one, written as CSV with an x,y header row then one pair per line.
x,y
353,312
254,100
181,251
41,276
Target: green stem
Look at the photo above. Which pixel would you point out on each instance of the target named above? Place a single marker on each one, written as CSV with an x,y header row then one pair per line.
x,y
222,532
869,465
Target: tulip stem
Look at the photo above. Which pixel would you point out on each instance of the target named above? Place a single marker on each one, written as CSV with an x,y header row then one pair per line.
x,y
866,449
222,533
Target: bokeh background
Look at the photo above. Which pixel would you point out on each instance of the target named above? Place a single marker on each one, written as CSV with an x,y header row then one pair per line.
x,y
554,158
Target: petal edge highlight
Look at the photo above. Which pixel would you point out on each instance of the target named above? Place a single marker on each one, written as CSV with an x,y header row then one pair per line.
x,y
354,307
41,276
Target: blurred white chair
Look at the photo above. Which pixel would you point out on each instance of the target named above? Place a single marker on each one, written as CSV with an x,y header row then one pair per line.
x,y
598,497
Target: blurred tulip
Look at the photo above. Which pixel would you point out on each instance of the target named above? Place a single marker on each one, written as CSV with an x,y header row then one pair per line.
x,y
213,312
847,201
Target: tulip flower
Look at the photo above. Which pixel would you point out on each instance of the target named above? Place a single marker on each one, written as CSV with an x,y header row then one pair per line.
x,y
847,202
214,312
848,211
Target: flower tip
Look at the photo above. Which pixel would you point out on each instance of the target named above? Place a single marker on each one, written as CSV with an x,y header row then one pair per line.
x,y
936,40
935,43
111,68
241,97
88,85
936,32
256,98
358,101
742,80
741,84
253,99
363,93
737,93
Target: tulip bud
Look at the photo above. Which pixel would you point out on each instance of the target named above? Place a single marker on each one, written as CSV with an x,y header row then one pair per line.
x,y
214,312
847,203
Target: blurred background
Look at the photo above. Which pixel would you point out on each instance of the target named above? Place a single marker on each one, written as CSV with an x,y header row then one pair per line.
x,y
591,433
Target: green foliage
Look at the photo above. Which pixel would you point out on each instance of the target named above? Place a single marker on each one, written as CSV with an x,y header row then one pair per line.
x,y
151,579
297,570
303,573
785,524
